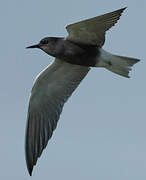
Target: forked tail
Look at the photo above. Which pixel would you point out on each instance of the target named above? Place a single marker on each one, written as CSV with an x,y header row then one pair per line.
x,y
118,64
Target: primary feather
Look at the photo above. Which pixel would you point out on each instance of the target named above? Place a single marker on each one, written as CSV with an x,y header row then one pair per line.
x,y
51,90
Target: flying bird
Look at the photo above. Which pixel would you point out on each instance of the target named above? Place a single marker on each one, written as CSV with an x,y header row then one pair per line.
x,y
74,57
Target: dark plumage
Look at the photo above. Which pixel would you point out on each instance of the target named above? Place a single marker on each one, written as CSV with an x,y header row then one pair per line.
x,y
74,55
71,52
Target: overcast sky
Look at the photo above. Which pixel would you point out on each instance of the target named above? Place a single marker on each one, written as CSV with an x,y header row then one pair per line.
x,y
102,131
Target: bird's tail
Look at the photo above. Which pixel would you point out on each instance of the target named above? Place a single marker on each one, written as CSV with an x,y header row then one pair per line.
x,y
118,64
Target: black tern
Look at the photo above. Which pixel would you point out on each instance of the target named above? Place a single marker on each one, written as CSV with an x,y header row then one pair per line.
x,y
74,56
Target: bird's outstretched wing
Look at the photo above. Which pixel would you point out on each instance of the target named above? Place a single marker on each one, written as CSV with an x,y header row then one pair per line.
x,y
51,90
92,31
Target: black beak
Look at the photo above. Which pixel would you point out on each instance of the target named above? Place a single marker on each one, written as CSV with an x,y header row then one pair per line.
x,y
34,46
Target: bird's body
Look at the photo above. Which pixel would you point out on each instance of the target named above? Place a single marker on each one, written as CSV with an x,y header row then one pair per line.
x,y
74,55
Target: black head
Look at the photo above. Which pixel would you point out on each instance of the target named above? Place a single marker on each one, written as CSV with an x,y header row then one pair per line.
x,y
47,41
47,44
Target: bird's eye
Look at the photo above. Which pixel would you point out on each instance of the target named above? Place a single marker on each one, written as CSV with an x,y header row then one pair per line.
x,y
44,41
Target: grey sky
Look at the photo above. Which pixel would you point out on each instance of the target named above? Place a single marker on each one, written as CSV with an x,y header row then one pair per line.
x,y
101,133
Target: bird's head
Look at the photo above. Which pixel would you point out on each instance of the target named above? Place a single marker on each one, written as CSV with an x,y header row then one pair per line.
x,y
47,44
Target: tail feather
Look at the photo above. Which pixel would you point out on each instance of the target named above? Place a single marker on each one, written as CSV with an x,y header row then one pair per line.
x,y
118,64
122,65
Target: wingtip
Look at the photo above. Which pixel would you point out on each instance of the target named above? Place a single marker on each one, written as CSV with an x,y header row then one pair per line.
x,y
30,169
122,9
125,7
